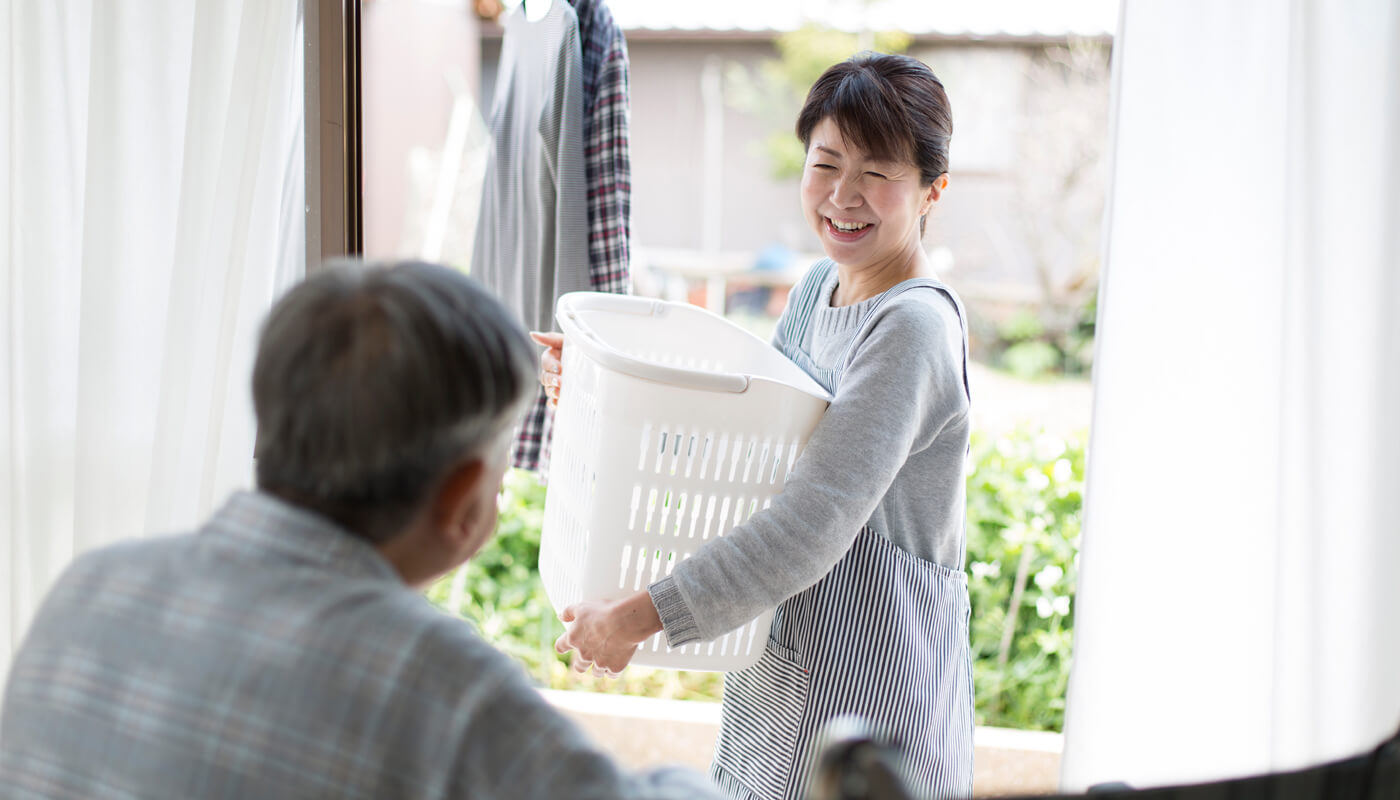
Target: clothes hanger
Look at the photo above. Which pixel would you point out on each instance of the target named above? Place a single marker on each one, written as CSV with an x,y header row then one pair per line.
x,y
536,10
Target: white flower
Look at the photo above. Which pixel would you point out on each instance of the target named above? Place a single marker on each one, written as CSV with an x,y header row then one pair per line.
x,y
1044,607
1048,448
1015,533
1062,605
1048,577
983,570
1037,480
1062,471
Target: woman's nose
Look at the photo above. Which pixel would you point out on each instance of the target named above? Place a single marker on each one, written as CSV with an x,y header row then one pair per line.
x,y
844,194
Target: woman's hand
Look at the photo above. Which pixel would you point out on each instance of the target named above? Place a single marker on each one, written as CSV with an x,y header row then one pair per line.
x,y
551,363
606,632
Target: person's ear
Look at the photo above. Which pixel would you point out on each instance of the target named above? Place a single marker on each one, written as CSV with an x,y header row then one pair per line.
x,y
935,191
457,504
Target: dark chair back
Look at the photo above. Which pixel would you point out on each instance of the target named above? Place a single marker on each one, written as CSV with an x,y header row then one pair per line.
x,y
1370,776
855,764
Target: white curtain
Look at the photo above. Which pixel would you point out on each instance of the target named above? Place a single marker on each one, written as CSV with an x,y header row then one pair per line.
x,y
1239,604
151,206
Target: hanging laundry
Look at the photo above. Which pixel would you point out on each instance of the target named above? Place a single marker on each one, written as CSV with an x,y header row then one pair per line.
x,y
606,150
608,164
532,233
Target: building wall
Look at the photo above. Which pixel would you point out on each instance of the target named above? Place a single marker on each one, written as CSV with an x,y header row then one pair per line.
x,y
671,164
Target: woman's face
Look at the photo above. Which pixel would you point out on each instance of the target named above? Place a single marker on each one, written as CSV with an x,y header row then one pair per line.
x,y
865,212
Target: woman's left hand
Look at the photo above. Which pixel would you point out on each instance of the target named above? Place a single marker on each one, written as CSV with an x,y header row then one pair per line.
x,y
606,632
551,363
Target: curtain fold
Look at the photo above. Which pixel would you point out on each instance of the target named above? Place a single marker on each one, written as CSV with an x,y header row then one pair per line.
x,y
152,208
1237,603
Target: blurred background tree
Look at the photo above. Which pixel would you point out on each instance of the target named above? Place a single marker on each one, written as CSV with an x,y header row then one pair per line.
x,y
1059,200
776,90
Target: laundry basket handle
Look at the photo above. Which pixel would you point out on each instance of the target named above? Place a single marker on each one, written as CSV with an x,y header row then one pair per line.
x,y
579,334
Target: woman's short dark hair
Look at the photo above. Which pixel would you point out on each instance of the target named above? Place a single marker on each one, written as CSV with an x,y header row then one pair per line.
x,y
371,381
892,107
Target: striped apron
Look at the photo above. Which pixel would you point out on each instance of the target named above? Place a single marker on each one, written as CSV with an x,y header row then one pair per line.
x,y
884,636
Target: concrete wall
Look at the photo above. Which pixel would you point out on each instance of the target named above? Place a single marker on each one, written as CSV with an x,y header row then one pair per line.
x,y
671,165
641,732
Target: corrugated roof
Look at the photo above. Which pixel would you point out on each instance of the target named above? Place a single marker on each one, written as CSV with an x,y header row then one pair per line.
x,y
973,18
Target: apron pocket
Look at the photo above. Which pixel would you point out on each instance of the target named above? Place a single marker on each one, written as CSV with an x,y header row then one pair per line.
x,y
763,708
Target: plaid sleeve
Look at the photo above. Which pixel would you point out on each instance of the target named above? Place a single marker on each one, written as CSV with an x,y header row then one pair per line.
x,y
609,166
529,440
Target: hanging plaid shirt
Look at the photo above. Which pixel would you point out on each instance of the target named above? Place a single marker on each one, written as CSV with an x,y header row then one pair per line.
x,y
605,149
608,166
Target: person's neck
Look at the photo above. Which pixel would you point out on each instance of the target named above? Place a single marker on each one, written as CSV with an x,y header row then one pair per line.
x,y
413,556
857,284
410,552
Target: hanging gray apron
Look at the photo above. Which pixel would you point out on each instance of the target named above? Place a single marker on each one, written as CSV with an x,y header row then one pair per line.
x,y
884,636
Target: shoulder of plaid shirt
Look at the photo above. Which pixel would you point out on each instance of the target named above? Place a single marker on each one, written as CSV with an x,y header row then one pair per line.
x,y
271,654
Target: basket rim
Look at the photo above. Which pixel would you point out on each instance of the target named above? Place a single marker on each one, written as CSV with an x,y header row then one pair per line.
x,y
579,333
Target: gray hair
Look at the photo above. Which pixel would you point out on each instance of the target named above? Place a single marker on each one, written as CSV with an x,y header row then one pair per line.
x,y
372,380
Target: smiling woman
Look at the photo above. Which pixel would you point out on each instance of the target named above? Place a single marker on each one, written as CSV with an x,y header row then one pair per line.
x,y
861,554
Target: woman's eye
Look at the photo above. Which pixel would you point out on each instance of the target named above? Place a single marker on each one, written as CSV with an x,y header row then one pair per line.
x,y
823,166
876,174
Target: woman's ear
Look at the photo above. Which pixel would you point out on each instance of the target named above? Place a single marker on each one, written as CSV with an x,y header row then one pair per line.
x,y
935,191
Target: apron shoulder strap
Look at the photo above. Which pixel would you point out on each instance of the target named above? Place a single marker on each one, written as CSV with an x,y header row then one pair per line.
x,y
803,301
907,286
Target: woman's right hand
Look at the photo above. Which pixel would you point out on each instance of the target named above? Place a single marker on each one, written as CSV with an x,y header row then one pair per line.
x,y
551,363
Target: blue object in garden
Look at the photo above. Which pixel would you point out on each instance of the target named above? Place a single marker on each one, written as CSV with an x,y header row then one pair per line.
x,y
773,257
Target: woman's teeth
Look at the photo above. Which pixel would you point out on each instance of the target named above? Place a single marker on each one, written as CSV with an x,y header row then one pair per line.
x,y
848,227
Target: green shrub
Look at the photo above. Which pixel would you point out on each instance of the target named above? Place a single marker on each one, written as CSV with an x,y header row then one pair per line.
x,y
1024,496
1029,348
1031,360
1023,517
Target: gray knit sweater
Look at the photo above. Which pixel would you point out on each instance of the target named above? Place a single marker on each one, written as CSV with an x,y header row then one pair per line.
x,y
889,453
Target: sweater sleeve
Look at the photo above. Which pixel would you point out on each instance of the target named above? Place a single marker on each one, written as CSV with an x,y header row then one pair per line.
x,y
902,386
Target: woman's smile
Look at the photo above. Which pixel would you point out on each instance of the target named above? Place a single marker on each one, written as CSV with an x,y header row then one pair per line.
x,y
845,230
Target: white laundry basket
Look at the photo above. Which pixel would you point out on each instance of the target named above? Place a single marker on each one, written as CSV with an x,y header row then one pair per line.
x,y
674,425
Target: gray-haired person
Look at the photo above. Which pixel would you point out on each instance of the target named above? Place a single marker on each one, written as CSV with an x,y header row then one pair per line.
x,y
281,651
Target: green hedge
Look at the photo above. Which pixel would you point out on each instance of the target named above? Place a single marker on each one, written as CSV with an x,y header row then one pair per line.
x,y
1023,508
1024,496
